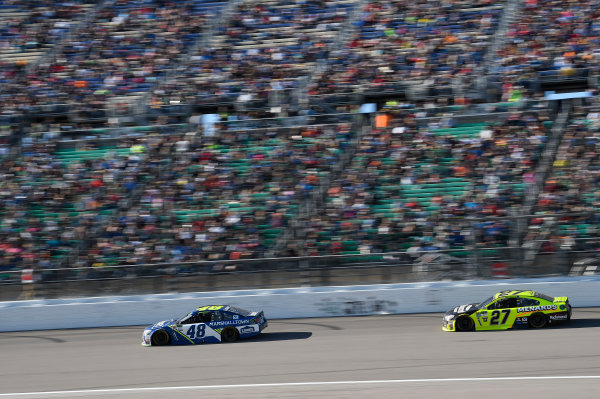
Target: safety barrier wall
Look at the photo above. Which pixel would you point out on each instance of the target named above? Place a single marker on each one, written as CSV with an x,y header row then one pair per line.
x,y
283,303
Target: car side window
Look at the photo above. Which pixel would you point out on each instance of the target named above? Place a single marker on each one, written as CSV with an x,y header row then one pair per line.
x,y
505,303
192,319
217,316
198,318
205,317
528,302
226,316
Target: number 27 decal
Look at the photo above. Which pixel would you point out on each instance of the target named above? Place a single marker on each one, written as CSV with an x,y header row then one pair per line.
x,y
494,320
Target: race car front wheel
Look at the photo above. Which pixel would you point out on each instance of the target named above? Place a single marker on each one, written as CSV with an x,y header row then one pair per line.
x,y
464,323
538,320
229,334
160,338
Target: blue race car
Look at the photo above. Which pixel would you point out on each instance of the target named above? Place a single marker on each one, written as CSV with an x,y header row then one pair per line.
x,y
220,323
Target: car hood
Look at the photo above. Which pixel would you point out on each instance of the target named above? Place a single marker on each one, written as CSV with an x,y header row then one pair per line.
x,y
463,309
164,323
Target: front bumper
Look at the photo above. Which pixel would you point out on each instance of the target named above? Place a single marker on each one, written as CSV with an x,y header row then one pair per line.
x,y
448,325
146,338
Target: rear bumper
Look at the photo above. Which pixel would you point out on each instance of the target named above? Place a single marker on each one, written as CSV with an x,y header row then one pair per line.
x,y
560,317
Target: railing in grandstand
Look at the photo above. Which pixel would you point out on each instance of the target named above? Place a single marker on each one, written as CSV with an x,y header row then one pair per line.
x,y
245,124
186,110
108,133
288,122
111,133
376,268
564,74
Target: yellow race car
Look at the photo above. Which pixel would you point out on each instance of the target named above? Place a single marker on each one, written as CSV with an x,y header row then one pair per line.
x,y
509,309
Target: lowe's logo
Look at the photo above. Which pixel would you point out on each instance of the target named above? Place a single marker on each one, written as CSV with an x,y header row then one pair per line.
x,y
247,329
533,308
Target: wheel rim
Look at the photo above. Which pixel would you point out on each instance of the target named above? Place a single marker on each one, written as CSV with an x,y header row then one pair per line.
x,y
229,335
537,321
463,324
160,338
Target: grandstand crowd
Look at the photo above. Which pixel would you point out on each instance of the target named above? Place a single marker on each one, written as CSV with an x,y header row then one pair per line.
x,y
293,177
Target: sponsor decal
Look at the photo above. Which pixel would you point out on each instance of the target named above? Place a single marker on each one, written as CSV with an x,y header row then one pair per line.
x,y
481,317
433,297
247,329
218,307
462,308
558,317
228,323
348,306
534,308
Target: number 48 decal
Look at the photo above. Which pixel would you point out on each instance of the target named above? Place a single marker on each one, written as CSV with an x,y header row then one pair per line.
x,y
197,333
494,320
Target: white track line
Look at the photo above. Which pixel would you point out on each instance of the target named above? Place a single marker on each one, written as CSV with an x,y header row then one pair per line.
x,y
110,391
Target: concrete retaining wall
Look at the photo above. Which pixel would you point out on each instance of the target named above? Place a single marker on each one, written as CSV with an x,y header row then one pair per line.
x,y
283,303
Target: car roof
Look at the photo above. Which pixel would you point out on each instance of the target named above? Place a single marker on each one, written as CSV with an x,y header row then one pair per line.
x,y
221,308
509,293
210,308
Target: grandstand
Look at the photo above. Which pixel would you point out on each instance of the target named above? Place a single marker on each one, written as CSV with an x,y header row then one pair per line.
x,y
211,144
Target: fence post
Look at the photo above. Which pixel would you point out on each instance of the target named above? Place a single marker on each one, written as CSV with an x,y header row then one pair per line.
x,y
304,274
27,284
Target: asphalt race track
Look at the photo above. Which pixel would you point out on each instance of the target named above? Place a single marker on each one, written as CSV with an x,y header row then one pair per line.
x,y
405,356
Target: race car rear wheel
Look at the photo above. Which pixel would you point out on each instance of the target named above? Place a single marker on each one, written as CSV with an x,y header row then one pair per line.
x,y
464,323
537,320
160,338
230,334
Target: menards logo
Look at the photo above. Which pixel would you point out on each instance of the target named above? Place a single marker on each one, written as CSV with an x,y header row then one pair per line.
x,y
532,308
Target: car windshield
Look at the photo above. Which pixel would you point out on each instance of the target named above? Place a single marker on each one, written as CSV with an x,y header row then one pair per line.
x,y
179,320
485,303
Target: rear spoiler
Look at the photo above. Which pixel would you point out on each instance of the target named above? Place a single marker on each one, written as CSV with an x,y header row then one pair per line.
x,y
258,316
561,299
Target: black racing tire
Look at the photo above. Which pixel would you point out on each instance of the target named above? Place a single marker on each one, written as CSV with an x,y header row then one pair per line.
x,y
537,320
161,338
230,334
464,323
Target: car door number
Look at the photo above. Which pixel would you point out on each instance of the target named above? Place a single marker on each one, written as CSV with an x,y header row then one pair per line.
x,y
495,317
196,331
